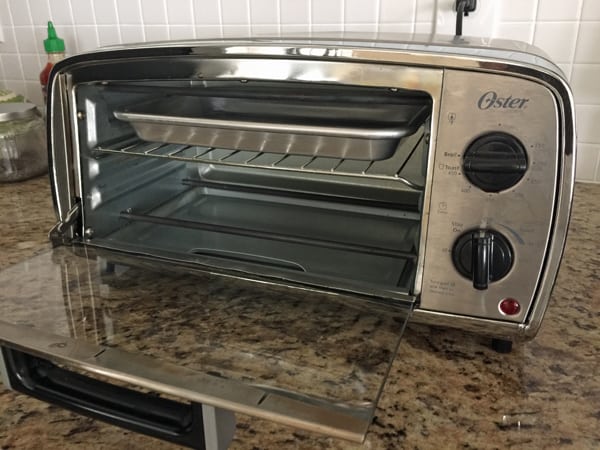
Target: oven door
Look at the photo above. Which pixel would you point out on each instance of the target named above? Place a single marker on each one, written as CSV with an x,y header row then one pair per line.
x,y
147,348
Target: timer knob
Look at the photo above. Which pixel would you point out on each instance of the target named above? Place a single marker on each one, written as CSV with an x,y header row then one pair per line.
x,y
483,256
495,161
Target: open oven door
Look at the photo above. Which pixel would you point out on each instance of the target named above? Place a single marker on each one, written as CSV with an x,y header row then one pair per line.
x,y
175,355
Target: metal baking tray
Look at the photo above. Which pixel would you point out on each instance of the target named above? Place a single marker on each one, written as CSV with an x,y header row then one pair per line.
x,y
343,129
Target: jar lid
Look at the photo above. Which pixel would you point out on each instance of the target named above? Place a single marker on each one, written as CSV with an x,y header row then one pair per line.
x,y
16,111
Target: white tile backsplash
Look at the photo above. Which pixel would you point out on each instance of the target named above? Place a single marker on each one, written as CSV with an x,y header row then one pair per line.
x,y
234,31
33,92
407,28
5,17
519,31
156,32
557,10
19,12
105,11
40,11
129,12
393,11
154,12
297,29
568,30
266,30
179,12
181,32
40,33
587,162
557,39
83,11
131,34
478,23
12,66
60,11
31,66
25,39
588,117
208,31
87,37
584,83
336,29
264,12
10,42
234,12
207,13
588,39
108,35
517,10
590,10
295,11
361,27
426,10
327,11
355,12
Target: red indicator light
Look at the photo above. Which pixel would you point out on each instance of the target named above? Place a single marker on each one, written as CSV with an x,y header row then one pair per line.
x,y
509,306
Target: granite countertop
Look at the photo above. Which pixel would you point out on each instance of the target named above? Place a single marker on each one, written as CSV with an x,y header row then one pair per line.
x,y
446,388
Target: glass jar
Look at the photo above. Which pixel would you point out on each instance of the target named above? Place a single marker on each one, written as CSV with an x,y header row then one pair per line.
x,y
23,152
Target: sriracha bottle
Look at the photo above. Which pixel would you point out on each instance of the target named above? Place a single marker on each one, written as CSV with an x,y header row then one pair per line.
x,y
55,48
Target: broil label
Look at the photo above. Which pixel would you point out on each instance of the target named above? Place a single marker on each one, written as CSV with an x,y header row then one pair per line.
x,y
491,99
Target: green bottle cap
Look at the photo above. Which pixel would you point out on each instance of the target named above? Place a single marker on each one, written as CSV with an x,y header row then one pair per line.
x,y
53,44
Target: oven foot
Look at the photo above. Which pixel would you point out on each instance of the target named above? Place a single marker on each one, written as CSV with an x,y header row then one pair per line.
x,y
502,345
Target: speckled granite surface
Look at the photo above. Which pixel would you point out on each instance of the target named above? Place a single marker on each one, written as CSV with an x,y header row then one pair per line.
x,y
446,389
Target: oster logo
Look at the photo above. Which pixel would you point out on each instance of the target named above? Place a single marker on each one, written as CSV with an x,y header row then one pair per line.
x,y
491,100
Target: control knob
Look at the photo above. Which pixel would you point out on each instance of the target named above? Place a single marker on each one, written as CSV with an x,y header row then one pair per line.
x,y
482,256
495,161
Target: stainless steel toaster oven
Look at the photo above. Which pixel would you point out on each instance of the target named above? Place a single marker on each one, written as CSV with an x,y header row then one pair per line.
x,y
434,177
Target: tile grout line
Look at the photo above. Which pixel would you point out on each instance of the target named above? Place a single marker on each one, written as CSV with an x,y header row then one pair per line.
x,y
193,10
118,20
343,16
377,18
14,36
220,10
249,17
142,24
278,3
414,17
572,66
72,16
95,25
166,13
535,22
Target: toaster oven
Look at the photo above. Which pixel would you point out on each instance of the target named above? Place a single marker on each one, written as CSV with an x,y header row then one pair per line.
x,y
429,178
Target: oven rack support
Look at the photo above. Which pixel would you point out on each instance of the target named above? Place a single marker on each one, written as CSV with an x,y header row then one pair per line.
x,y
395,168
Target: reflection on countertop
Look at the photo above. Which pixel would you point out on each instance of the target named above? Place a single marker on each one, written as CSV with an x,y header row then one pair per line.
x,y
446,388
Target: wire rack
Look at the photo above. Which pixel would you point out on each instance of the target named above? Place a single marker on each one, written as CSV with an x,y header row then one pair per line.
x,y
395,168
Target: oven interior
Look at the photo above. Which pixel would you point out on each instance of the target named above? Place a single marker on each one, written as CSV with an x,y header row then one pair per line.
x,y
318,184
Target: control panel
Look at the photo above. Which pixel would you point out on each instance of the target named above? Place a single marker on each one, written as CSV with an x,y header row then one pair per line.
x,y
492,195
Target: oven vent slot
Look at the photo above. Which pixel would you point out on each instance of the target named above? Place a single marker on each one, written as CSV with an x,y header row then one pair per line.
x,y
405,165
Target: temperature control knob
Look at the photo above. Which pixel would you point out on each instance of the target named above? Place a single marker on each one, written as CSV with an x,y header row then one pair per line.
x,y
495,161
483,256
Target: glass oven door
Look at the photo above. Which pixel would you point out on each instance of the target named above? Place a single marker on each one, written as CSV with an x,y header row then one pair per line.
x,y
141,345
